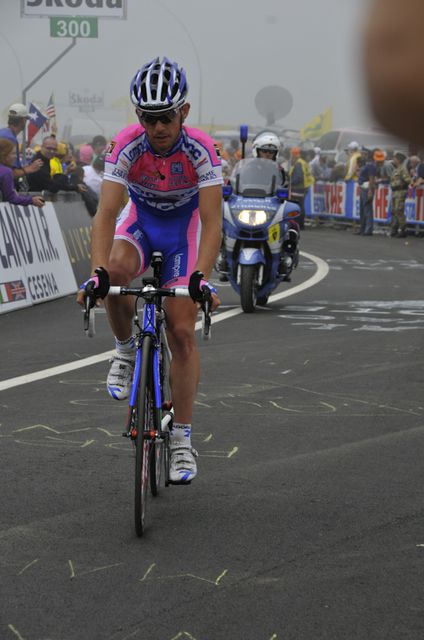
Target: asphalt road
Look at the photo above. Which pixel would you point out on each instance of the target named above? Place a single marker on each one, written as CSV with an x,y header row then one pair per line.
x,y
306,519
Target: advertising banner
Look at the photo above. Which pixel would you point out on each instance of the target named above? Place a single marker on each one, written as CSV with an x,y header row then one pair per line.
x,y
34,263
75,224
338,200
85,8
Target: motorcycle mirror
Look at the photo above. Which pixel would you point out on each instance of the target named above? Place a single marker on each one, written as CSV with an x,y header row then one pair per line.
x,y
244,130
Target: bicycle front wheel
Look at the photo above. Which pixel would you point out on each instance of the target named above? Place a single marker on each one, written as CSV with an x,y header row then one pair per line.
x,y
143,444
159,454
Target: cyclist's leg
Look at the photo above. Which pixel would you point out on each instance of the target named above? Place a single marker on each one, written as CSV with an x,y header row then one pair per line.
x,y
181,313
128,258
181,316
124,264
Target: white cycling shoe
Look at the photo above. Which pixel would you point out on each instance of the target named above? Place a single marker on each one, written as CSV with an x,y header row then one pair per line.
x,y
119,379
182,465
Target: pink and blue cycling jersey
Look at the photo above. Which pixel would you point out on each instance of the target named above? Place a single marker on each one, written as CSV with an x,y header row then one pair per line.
x,y
163,184
163,211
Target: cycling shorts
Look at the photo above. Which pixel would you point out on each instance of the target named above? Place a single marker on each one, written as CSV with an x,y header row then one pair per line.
x,y
177,237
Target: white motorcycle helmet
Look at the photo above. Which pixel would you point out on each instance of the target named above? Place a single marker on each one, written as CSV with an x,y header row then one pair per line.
x,y
266,142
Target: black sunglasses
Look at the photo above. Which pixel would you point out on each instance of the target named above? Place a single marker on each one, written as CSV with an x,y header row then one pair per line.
x,y
164,118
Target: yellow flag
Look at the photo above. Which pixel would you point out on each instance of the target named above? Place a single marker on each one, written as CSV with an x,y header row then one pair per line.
x,y
318,126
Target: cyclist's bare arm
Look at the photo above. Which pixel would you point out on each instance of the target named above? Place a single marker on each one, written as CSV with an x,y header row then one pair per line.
x,y
111,199
210,237
211,219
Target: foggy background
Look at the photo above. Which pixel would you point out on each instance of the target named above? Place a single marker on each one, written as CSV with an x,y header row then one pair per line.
x,y
230,51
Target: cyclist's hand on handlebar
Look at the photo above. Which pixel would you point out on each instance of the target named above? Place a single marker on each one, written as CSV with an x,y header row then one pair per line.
x,y
97,285
195,289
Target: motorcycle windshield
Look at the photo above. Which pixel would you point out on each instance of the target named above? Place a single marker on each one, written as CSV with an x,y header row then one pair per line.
x,y
256,178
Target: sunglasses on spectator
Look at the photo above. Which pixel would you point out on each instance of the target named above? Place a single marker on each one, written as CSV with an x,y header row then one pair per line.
x,y
50,148
164,118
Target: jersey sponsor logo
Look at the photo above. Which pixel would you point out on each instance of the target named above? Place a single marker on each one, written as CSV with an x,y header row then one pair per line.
x,y
178,181
176,167
119,173
133,153
194,151
176,267
210,175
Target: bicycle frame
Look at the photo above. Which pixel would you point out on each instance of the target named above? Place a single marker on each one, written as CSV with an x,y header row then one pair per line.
x,y
153,325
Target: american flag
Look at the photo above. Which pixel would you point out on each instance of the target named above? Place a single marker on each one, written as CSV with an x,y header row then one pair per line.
x,y
51,109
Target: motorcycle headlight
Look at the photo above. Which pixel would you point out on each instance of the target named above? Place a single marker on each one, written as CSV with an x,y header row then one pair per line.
x,y
252,217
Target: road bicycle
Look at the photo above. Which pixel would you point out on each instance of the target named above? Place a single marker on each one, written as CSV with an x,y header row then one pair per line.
x,y
150,411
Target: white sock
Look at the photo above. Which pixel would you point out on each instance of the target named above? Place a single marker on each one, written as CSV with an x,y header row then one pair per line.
x,y
125,347
180,434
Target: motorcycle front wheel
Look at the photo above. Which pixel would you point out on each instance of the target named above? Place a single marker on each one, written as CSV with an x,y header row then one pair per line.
x,y
248,287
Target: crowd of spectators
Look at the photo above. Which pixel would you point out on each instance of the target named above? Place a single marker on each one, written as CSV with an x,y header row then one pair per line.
x,y
48,167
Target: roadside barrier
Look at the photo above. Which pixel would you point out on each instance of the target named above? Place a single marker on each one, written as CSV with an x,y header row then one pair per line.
x,y
340,201
44,252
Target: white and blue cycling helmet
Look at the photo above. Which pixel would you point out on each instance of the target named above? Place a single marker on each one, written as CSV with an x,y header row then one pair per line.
x,y
160,85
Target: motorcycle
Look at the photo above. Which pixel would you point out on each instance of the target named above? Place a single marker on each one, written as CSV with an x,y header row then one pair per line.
x,y
259,248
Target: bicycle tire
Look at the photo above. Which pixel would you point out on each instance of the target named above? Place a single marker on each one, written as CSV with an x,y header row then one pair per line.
x,y
159,451
166,399
143,447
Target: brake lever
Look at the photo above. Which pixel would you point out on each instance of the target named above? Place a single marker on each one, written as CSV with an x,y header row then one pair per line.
x,y
89,318
206,306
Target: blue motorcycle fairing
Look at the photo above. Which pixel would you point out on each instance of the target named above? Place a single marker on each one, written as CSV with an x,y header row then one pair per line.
x,y
249,255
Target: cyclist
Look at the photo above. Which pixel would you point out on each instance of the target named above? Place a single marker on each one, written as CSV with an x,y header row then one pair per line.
x,y
173,176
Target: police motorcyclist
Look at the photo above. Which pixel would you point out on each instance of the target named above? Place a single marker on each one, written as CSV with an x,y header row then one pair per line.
x,y
267,145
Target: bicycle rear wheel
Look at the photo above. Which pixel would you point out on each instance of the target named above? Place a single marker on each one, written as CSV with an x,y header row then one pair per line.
x,y
143,444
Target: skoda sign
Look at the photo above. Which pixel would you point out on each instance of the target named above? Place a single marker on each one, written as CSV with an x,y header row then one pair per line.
x,y
85,8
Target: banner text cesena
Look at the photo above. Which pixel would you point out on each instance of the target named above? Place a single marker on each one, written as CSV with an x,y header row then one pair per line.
x,y
34,264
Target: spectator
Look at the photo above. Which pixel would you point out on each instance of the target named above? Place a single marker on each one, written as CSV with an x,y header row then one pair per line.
x,y
352,172
90,198
418,180
85,154
93,174
412,165
233,152
42,178
366,180
98,144
300,179
384,168
7,188
326,169
16,123
399,183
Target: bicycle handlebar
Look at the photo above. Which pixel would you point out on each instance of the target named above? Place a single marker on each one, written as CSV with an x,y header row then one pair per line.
x,y
148,291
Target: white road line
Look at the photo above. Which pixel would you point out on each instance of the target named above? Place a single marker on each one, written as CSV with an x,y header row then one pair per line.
x,y
320,274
